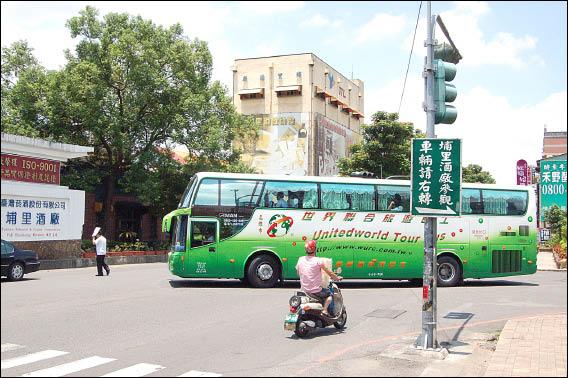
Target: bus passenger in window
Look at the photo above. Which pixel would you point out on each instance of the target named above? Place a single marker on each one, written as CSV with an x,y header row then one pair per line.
x,y
396,203
280,201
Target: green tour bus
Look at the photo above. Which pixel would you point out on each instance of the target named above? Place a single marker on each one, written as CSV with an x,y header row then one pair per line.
x,y
253,227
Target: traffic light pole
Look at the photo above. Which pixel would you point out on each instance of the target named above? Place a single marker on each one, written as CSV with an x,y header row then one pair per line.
x,y
428,339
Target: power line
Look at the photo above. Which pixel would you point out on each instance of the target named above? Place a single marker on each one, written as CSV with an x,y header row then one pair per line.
x,y
409,58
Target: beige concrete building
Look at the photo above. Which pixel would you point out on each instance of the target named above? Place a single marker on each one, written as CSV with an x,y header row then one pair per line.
x,y
309,113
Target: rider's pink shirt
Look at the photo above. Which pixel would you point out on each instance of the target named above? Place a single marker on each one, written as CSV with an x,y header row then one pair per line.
x,y
309,270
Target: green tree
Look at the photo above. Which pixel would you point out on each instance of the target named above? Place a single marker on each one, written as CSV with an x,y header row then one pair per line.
x,y
475,173
25,88
385,149
131,89
556,220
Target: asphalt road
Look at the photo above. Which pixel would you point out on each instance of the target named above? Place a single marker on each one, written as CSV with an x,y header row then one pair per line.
x,y
141,314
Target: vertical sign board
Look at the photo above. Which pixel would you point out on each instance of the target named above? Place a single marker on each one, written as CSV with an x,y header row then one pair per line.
x,y
552,185
523,172
436,177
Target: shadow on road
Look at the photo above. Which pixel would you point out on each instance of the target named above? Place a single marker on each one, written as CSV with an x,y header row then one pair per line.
x,y
348,284
22,280
317,333
498,283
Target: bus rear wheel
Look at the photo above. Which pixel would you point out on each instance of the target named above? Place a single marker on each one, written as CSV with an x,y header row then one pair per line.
x,y
449,271
263,272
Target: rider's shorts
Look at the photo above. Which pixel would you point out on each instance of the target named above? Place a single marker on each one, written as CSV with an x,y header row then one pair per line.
x,y
323,294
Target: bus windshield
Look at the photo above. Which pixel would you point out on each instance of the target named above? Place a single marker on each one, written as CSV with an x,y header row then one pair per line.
x,y
184,202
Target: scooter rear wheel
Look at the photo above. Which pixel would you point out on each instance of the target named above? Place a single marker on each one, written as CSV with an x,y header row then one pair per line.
x,y
340,323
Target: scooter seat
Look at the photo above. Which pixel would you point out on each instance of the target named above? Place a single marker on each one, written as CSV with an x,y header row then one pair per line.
x,y
313,306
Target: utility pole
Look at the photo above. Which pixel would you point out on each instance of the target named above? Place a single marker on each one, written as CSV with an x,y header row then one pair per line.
x,y
439,69
429,339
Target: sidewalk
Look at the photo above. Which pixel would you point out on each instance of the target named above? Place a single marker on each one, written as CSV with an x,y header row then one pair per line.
x,y
532,347
545,261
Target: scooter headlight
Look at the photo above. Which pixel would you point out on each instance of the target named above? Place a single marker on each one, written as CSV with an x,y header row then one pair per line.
x,y
295,301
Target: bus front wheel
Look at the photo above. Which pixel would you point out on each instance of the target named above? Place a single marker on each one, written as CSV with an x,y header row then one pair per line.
x,y
263,271
449,271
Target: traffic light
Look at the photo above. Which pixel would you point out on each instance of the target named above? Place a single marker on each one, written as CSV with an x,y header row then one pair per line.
x,y
444,92
445,59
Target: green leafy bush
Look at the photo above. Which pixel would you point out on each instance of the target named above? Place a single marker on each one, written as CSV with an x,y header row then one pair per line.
x,y
556,220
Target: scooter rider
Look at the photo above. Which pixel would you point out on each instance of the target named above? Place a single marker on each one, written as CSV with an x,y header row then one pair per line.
x,y
309,269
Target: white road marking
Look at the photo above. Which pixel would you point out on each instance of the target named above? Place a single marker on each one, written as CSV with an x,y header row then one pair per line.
x,y
8,347
197,373
137,370
30,358
71,367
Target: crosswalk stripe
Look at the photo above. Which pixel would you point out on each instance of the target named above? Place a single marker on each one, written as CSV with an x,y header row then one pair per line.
x,y
137,370
8,347
197,373
30,358
71,367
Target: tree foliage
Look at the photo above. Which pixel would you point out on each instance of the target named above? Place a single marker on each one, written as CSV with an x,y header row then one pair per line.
x,y
132,90
25,88
556,220
385,147
474,173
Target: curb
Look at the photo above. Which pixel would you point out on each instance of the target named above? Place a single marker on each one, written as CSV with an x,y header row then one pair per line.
x,y
84,263
551,270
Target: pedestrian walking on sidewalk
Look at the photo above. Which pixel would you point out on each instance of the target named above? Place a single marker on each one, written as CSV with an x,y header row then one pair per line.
x,y
100,243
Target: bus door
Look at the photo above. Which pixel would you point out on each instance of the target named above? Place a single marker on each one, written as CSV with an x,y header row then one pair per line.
x,y
202,255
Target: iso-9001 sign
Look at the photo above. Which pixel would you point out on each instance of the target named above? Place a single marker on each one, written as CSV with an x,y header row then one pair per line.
x,y
436,177
29,169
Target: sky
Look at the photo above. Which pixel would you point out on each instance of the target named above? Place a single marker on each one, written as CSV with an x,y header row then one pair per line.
x,y
511,81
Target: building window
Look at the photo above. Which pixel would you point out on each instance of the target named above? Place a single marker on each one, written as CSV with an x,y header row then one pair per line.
x,y
288,93
261,77
280,76
245,78
299,74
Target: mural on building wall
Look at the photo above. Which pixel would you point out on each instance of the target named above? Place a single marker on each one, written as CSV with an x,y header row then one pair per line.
x,y
333,142
282,145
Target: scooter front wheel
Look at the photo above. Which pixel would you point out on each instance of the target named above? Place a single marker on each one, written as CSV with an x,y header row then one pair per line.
x,y
340,323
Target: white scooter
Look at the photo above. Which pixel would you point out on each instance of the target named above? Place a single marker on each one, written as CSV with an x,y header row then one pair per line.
x,y
306,312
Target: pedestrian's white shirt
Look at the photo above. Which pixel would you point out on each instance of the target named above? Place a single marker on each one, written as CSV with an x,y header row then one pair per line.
x,y
101,245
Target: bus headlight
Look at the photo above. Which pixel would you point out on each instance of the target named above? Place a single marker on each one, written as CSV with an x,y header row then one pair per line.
x,y
295,301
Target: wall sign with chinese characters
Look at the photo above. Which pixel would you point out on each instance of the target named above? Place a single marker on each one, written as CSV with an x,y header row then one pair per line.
x,y
26,218
553,187
436,177
28,169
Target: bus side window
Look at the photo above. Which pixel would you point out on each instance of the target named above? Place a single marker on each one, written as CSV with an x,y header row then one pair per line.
x,y
240,193
471,201
202,233
393,198
504,202
347,197
208,193
284,194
